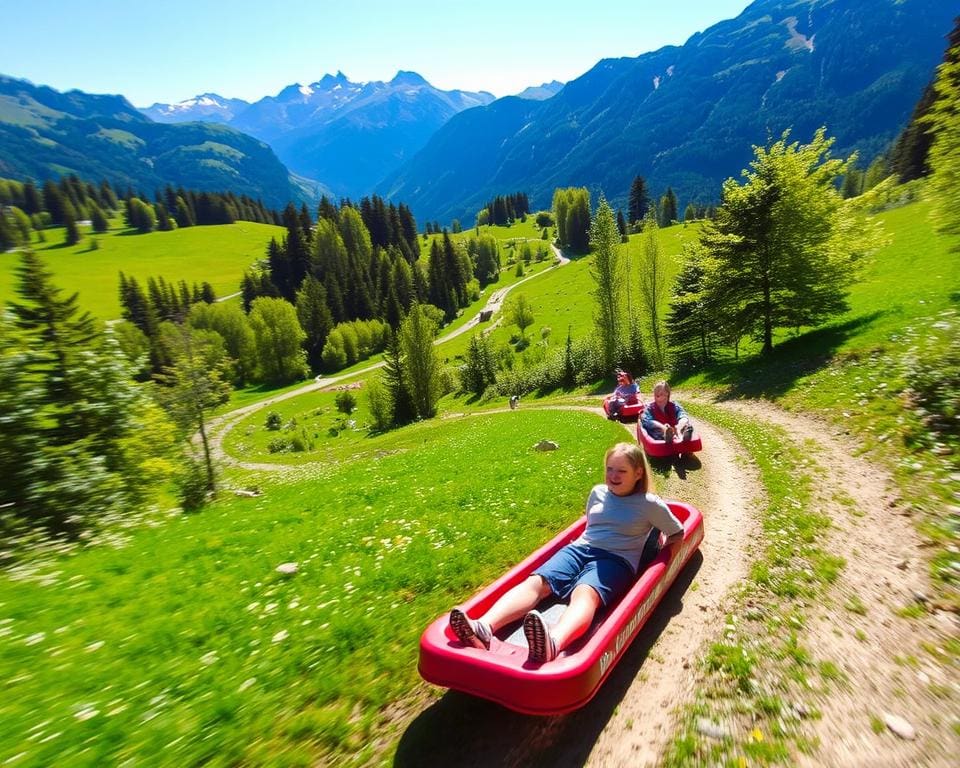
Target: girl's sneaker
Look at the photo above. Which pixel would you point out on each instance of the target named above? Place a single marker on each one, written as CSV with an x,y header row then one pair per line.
x,y
688,432
472,632
541,646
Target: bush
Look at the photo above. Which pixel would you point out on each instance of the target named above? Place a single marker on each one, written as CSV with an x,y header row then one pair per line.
x,y
346,402
933,375
278,445
380,404
274,421
192,485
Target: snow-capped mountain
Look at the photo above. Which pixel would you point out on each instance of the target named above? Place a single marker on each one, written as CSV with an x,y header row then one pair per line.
x,y
345,134
207,108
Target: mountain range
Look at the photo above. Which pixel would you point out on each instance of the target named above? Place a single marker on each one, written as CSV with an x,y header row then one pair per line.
x,y
687,116
346,135
684,116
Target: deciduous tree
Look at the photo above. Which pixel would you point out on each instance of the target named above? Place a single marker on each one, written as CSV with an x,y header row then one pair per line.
x,y
784,246
608,274
281,358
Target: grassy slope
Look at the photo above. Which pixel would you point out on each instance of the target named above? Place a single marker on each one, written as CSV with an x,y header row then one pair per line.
x,y
185,645
189,667
218,254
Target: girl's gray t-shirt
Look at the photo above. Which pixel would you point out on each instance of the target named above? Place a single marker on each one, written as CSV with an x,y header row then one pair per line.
x,y
621,524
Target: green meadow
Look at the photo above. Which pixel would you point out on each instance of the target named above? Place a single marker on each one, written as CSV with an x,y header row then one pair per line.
x,y
177,642
217,254
182,645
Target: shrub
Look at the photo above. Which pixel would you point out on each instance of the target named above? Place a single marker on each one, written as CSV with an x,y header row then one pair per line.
x,y
380,404
278,445
346,402
192,485
273,421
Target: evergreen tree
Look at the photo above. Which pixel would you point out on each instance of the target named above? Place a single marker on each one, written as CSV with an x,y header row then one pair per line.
x,y
53,328
622,227
639,200
909,154
668,208
653,284
420,365
690,327
479,370
944,121
315,319
98,220
395,382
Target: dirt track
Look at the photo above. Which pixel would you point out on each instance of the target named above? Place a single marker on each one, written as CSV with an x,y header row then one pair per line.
x,y
633,717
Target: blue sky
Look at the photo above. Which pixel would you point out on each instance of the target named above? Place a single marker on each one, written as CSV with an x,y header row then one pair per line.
x,y
171,50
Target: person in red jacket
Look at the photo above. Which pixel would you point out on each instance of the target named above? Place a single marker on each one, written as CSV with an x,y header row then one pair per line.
x,y
664,419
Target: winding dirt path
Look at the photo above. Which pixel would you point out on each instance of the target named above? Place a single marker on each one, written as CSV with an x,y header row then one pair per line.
x,y
727,491
859,627
634,716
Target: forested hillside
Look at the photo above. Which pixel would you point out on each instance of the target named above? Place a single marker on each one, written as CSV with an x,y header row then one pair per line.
x,y
47,134
686,116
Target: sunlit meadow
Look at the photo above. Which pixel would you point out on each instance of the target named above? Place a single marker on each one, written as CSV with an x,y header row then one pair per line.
x,y
187,646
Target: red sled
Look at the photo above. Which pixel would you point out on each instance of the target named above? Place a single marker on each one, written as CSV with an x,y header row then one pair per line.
x,y
503,674
627,412
661,449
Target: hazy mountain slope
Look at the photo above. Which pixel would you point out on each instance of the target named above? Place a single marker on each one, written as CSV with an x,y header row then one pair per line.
x,y
46,134
345,135
687,116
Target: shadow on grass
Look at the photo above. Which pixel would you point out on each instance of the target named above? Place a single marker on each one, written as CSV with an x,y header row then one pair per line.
x,y
771,376
464,731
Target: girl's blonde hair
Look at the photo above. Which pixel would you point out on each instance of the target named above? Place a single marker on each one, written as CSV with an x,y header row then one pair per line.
x,y
635,456
662,384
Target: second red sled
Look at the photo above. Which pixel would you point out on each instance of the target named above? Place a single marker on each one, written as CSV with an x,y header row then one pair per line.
x,y
661,449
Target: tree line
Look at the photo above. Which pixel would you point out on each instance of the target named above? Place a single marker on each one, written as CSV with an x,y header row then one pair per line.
x,y
26,209
504,209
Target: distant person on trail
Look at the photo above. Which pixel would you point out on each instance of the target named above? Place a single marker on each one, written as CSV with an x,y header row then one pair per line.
x,y
626,393
623,518
664,419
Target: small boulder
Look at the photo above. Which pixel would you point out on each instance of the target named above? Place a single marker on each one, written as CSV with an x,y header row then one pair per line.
x,y
899,726
546,445
287,569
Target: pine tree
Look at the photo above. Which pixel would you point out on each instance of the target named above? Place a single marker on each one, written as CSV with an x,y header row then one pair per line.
x,y
639,200
315,319
420,365
55,332
395,382
668,208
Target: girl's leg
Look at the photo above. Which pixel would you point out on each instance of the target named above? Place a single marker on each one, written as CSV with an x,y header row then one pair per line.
x,y
516,602
584,602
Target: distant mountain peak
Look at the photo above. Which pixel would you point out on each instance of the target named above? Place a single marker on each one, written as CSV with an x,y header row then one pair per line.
x,y
328,81
404,77
541,92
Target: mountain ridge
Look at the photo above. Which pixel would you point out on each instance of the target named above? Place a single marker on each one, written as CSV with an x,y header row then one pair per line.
x,y
686,116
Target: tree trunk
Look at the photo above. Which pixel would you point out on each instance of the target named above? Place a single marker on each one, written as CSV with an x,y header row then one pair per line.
x,y
767,318
207,458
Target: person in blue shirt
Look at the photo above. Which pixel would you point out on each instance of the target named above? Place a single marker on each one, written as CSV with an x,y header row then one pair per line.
x,y
664,419
626,393
596,569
